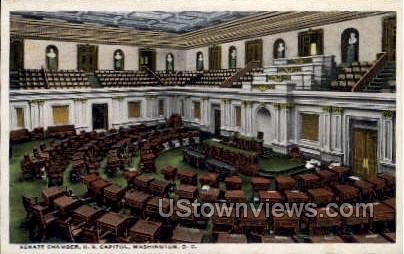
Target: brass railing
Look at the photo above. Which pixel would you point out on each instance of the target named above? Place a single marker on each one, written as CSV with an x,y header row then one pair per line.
x,y
236,76
371,73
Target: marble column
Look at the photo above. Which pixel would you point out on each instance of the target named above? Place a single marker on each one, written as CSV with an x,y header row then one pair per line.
x,y
336,129
325,129
387,130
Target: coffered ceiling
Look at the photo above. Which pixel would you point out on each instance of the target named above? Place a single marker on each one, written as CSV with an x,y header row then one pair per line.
x,y
182,30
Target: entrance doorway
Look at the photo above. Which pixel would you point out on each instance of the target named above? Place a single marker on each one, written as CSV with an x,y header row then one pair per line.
x,y
217,121
253,51
364,152
147,57
311,42
16,55
389,37
215,58
100,116
264,125
87,58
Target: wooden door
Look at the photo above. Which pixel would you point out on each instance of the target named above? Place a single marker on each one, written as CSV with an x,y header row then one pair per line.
x,y
253,51
389,37
100,116
87,57
307,38
215,58
147,57
364,152
217,121
16,55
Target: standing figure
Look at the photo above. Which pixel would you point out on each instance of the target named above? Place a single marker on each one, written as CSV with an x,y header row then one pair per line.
x,y
51,58
281,50
118,60
199,61
170,63
351,49
233,58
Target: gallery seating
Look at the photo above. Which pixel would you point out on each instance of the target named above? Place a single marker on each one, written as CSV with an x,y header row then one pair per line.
x,y
112,78
348,75
66,79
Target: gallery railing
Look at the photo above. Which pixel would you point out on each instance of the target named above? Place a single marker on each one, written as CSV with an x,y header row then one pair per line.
x,y
248,67
371,73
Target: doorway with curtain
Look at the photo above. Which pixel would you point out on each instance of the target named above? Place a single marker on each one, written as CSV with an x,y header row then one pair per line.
x,y
311,42
87,57
16,54
215,58
147,57
253,51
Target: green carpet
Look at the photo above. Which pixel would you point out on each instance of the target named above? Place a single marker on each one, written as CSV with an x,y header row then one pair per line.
x,y
18,187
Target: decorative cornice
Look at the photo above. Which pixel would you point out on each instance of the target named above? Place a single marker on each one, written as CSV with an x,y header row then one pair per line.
x,y
255,26
327,109
338,110
389,114
264,87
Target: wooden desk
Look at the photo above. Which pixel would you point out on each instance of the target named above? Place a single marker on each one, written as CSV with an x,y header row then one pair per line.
x,y
187,235
327,177
208,178
321,196
308,181
136,199
188,177
295,196
212,195
231,238
233,183
260,183
271,197
365,188
114,222
378,183
65,203
234,196
114,193
346,192
390,202
49,194
187,191
382,213
88,179
341,172
160,187
86,213
284,183
142,182
169,173
145,231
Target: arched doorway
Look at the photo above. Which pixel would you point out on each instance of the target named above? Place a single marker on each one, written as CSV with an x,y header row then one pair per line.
x,y
264,125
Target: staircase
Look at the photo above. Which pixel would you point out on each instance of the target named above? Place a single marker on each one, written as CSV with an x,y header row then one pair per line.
x,y
92,79
383,81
